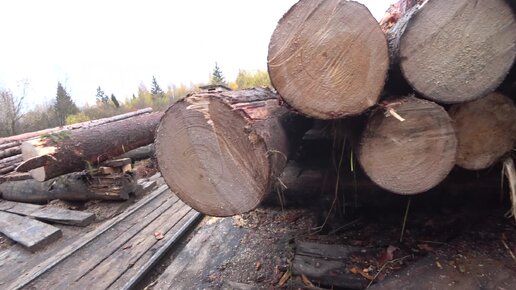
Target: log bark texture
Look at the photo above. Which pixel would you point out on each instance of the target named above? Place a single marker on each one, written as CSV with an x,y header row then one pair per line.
x,y
328,58
486,130
221,152
454,51
410,156
73,186
69,151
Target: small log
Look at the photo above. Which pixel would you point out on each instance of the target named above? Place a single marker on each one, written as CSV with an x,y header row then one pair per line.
x,y
11,160
10,152
328,58
87,124
70,151
454,51
74,186
141,153
221,152
9,145
486,130
409,156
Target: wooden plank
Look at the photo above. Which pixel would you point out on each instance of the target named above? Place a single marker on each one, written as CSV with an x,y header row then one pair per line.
x,y
30,233
30,275
50,214
133,276
325,264
97,251
107,272
209,247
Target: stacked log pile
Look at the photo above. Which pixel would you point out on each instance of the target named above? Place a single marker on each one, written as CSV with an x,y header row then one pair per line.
x,y
422,91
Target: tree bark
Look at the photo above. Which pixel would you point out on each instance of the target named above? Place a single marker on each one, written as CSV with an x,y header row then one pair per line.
x,y
74,186
409,156
454,51
10,152
328,58
486,130
69,151
221,152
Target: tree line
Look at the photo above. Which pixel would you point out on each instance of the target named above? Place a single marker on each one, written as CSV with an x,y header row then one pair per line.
x,y
62,109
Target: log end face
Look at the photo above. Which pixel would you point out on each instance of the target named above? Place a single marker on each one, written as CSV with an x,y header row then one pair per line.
x,y
457,51
328,59
211,158
410,156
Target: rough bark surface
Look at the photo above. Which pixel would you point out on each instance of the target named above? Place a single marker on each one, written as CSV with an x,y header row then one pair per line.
x,y
221,152
486,130
454,51
410,156
328,59
69,151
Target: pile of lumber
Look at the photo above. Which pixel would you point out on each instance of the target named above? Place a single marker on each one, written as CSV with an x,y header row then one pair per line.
x,y
418,98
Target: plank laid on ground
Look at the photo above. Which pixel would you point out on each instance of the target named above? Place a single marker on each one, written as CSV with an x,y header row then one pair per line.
x,y
326,264
144,206
455,51
49,214
328,58
212,245
30,233
107,244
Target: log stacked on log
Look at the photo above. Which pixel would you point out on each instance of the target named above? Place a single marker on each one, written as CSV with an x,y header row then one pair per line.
x,y
11,146
221,151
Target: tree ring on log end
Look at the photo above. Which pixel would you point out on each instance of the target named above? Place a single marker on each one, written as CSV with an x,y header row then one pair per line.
x,y
328,59
204,146
410,156
486,130
457,51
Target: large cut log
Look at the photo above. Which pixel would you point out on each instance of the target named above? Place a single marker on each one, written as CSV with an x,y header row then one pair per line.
x,y
221,152
73,186
69,151
454,51
87,124
486,130
328,58
410,147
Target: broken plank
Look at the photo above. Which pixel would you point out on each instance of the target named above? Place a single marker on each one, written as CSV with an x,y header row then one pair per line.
x,y
30,275
325,264
49,214
28,232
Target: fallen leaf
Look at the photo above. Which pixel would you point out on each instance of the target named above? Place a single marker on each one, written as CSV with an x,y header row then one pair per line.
x,y
306,281
425,247
284,279
258,265
127,247
158,235
387,255
238,221
438,265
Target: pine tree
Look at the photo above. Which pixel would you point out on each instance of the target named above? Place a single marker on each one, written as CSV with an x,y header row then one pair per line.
x,y
64,105
156,91
217,78
115,101
101,96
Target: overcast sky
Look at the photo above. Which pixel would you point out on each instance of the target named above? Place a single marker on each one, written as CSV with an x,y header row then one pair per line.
x,y
120,44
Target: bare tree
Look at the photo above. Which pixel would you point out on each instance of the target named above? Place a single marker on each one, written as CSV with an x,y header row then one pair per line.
x,y
11,108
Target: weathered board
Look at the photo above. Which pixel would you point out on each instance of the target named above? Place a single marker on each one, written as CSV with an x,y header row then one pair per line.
x,y
30,233
49,214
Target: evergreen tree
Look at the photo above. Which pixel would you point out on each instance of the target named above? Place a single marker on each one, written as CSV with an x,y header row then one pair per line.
x,y
156,91
115,101
217,78
101,96
64,105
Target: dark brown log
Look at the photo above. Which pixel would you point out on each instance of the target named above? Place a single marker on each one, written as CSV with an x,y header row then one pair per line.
x,y
74,186
70,151
328,58
88,124
486,130
409,156
454,51
221,152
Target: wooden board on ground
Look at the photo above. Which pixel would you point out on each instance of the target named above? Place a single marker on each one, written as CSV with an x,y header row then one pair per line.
x,y
49,214
210,246
325,264
30,233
